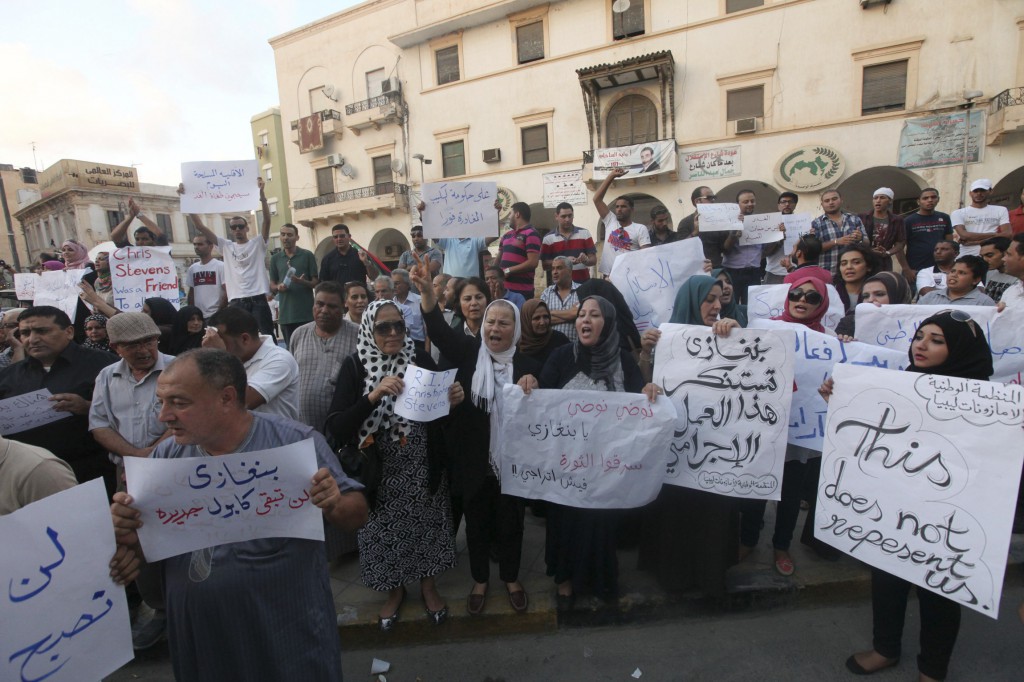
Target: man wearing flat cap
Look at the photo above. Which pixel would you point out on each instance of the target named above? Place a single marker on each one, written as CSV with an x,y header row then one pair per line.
x,y
980,221
885,231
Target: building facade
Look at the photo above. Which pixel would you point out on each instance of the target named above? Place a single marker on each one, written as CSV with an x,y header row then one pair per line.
x,y
269,145
19,185
869,93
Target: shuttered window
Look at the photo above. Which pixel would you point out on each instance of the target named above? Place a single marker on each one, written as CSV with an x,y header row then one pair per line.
x,y
745,103
447,61
453,158
324,181
632,120
630,22
530,42
535,144
885,88
740,5
382,169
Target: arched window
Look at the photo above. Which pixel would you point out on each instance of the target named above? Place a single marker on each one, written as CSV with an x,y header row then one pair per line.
x,y
632,120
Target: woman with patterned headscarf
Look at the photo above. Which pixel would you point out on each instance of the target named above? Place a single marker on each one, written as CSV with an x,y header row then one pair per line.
x,y
96,333
409,533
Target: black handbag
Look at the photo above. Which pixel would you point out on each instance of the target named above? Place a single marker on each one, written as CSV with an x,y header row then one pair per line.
x,y
363,465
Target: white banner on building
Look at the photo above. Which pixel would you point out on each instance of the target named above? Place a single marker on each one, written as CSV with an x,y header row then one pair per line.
x,y
733,396
564,186
459,209
761,228
648,158
766,301
220,186
710,164
60,289
590,449
719,217
650,278
199,502
939,140
141,272
919,478
62,619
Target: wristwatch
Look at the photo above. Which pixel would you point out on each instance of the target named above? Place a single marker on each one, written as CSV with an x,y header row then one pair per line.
x,y
507,271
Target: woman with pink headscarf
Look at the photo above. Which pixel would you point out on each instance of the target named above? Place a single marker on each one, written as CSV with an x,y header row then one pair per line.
x,y
76,256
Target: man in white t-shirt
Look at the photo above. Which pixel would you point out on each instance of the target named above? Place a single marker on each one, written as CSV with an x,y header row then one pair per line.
x,y
205,279
1013,264
980,221
621,233
245,266
945,254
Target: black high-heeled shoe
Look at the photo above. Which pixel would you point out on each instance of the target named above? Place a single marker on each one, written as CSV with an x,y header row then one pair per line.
x,y
387,623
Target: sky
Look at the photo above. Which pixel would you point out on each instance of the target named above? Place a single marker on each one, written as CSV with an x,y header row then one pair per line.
x,y
150,83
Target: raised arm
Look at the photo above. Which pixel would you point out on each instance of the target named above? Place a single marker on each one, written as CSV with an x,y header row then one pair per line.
x,y
602,208
119,235
265,227
198,222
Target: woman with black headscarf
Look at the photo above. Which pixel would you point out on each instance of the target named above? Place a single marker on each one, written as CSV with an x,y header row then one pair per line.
x,y
539,339
187,331
949,344
163,312
580,547
629,337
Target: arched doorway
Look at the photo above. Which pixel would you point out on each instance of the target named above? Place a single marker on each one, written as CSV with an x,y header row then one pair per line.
x,y
1007,192
858,189
767,195
388,244
542,219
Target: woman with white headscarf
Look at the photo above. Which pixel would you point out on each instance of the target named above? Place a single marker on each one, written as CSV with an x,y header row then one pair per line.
x,y
409,533
485,362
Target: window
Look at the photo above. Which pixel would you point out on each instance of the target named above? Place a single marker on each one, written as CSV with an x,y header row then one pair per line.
x,y
745,103
535,144
884,87
629,22
264,139
740,5
374,81
163,221
29,177
324,181
530,42
113,219
268,173
632,120
453,158
447,60
382,170
273,210
193,232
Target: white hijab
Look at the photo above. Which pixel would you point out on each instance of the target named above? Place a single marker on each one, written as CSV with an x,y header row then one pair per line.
x,y
494,370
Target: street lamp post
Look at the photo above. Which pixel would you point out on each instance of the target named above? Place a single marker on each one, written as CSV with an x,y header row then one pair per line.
x,y
970,96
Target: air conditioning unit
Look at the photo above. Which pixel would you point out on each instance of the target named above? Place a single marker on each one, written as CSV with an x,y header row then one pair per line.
x,y
746,125
492,155
335,160
389,85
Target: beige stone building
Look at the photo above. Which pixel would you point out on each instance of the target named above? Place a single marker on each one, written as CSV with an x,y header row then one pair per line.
x,y
269,144
19,185
779,94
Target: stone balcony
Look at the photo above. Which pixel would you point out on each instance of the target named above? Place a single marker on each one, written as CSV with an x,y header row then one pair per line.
x,y
1005,115
375,112
332,126
352,204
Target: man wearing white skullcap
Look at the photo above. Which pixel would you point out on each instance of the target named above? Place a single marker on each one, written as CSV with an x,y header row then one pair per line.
x,y
885,231
980,221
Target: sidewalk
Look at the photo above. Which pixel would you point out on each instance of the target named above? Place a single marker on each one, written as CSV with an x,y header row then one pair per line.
x,y
751,584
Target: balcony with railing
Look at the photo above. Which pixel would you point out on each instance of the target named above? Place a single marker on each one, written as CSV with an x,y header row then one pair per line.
x,y
387,107
331,119
384,197
1005,115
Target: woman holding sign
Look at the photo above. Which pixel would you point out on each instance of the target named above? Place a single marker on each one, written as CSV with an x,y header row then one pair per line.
x,y
485,362
949,344
409,533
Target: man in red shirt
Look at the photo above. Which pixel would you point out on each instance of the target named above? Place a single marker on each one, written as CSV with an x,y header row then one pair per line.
x,y
519,252
1017,216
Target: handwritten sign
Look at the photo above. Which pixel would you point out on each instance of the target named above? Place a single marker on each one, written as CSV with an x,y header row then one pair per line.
x,y
894,326
62,619
647,158
650,278
719,217
60,289
815,355
797,225
424,396
590,449
220,186
199,502
769,300
25,285
919,479
141,272
733,397
27,411
761,228
564,186
460,209
939,140
711,164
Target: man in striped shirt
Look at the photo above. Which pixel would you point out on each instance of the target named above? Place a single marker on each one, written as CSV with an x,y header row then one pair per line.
x,y
570,241
519,252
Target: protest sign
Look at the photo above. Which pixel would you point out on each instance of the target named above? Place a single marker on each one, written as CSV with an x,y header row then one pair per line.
x,y
939,140
220,186
893,326
650,278
141,272
733,396
564,186
27,411
424,396
459,209
647,158
710,164
62,618
590,449
766,301
25,285
797,225
199,502
60,289
815,354
919,478
719,217
761,228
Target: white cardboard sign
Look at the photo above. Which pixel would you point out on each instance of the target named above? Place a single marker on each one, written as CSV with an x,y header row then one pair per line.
x,y
424,396
220,186
27,411
650,278
141,272
460,209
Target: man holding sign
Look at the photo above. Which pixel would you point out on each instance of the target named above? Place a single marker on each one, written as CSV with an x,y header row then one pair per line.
x,y
742,262
273,591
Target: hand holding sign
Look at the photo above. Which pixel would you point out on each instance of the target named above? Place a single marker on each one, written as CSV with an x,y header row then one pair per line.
x,y
719,217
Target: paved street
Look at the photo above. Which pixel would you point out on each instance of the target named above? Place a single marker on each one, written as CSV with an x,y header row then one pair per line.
x,y
807,643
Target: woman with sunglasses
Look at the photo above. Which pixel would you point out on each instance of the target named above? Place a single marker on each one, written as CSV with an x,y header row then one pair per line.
x,y
485,362
409,534
949,344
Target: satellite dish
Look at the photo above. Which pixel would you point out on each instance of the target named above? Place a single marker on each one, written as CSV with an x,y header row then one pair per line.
x,y
397,166
331,93
620,6
348,171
